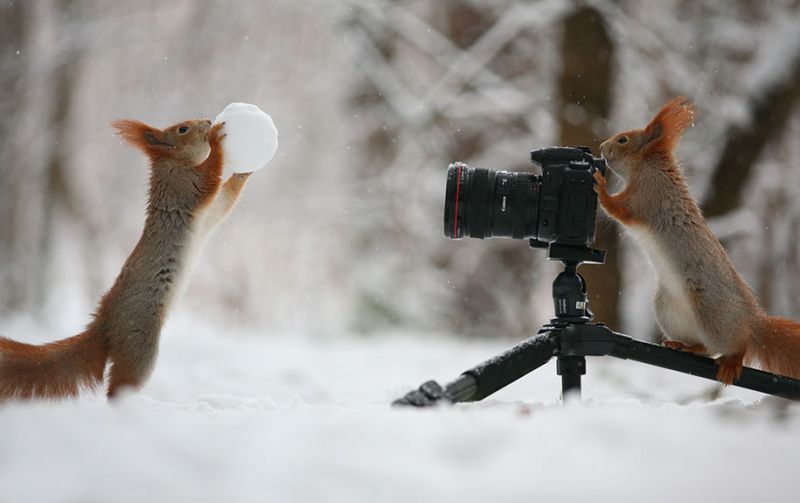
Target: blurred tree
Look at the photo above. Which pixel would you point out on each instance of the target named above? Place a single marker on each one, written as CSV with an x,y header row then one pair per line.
x,y
456,80
57,187
769,110
14,19
583,109
37,183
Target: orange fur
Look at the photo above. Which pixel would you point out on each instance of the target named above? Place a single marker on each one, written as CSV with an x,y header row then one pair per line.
x,y
691,348
615,205
234,185
231,190
729,368
135,133
776,346
211,168
120,378
669,124
58,369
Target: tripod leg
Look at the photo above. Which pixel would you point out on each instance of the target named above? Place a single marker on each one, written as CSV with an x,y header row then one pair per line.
x,y
488,377
571,368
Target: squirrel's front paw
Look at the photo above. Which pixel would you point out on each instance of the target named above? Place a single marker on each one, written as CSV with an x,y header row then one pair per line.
x,y
215,135
600,180
236,181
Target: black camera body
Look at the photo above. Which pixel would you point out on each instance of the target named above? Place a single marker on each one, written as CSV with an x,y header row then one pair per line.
x,y
557,207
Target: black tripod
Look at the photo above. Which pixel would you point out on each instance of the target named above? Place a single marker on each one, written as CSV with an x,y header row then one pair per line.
x,y
570,338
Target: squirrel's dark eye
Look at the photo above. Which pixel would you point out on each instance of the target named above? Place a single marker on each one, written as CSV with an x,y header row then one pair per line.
x,y
622,140
183,129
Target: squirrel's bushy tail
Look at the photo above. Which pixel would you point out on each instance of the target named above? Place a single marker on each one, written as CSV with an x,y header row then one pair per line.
x,y
54,370
776,346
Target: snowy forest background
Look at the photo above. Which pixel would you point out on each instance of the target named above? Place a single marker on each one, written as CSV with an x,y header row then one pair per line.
x,y
331,290
373,99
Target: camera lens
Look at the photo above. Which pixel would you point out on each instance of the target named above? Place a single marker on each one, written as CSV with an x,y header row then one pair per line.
x,y
559,206
482,203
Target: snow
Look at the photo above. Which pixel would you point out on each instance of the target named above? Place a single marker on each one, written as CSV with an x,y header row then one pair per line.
x,y
252,137
293,417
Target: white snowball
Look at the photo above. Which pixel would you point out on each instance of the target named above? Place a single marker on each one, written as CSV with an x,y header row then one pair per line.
x,y
252,137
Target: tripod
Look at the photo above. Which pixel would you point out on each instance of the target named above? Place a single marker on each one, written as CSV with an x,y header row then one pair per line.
x,y
570,337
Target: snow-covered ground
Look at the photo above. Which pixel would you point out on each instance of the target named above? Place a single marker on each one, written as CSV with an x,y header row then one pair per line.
x,y
293,418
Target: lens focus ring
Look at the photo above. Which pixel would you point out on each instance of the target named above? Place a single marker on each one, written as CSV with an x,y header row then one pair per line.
x,y
521,191
476,202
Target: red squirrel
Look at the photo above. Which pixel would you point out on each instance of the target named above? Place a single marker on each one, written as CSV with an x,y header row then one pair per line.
x,y
186,199
702,304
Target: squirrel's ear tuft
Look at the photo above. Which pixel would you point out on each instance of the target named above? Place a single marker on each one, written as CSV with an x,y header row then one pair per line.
x,y
141,135
668,125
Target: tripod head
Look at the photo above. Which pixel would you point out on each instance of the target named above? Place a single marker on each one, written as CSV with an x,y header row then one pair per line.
x,y
569,287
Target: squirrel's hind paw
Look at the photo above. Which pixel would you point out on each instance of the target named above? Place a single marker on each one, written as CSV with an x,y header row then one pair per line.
x,y
729,368
697,349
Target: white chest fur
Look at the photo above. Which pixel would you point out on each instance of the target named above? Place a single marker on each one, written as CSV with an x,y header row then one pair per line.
x,y
187,261
674,312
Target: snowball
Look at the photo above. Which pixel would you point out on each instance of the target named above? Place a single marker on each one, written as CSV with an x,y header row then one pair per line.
x,y
252,137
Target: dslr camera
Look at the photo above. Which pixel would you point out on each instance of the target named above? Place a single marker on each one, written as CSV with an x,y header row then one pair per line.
x,y
557,207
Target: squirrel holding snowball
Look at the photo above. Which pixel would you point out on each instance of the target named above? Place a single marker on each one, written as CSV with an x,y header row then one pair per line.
x,y
702,304
186,200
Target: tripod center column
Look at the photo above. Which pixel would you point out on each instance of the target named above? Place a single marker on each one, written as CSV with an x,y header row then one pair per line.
x,y
570,368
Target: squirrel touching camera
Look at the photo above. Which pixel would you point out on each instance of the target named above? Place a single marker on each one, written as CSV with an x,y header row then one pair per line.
x,y
186,199
702,304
